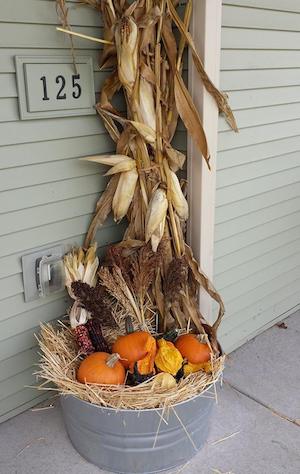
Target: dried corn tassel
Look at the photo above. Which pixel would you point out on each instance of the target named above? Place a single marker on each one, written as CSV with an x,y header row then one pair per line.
x,y
124,194
156,212
126,39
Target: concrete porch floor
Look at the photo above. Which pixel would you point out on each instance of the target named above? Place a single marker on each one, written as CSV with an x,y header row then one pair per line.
x,y
255,430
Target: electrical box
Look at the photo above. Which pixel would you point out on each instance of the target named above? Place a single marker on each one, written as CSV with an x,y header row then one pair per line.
x,y
43,273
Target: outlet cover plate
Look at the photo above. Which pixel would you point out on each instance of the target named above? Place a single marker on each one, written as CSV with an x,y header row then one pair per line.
x,y
31,291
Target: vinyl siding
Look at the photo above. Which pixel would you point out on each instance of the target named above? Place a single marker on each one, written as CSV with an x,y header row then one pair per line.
x,y
257,227
47,195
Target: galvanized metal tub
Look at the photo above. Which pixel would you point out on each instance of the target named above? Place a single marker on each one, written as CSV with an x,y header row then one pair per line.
x,y
145,441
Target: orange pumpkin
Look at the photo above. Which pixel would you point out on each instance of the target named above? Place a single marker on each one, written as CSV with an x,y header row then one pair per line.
x,y
101,368
193,350
135,347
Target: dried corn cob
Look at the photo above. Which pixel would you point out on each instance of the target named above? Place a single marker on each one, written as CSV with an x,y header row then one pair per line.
x,y
83,339
178,200
124,194
156,212
126,39
146,110
96,336
158,235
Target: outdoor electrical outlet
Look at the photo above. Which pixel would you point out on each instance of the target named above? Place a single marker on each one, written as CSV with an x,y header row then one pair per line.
x,y
43,272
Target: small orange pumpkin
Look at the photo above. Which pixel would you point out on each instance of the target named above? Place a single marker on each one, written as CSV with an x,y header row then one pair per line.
x,y
134,347
101,368
193,350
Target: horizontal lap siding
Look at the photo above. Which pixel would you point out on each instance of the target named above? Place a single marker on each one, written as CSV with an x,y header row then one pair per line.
x,y
47,195
257,228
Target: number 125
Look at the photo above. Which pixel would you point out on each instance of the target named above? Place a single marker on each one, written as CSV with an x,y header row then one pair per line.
x,y
61,81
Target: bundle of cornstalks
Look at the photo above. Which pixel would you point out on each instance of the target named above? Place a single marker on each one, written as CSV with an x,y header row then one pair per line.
x,y
145,57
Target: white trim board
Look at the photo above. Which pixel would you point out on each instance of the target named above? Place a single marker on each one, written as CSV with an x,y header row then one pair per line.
x,y
206,31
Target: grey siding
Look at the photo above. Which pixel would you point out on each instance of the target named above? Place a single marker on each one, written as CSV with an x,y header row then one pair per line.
x,y
257,231
47,195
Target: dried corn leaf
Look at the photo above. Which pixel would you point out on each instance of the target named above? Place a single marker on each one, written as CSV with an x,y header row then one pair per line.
x,y
220,98
127,165
190,116
110,160
191,311
109,124
104,206
109,88
205,283
145,131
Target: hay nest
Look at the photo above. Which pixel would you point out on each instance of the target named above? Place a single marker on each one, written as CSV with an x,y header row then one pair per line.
x,y
60,359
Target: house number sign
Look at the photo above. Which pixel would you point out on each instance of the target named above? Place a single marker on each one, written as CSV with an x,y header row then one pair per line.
x,y
53,87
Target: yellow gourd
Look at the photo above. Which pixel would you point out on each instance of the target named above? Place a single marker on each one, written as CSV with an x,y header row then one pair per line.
x,y
168,358
164,381
191,368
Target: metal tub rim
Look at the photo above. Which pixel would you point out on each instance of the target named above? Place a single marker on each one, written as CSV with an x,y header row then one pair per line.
x,y
135,410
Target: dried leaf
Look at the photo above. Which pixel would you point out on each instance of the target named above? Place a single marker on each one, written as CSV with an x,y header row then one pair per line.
x,y
220,98
110,160
103,208
190,116
145,131
122,167
205,283
176,159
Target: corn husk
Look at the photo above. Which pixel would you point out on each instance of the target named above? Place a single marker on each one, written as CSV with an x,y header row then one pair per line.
x,y
158,235
127,165
81,265
175,158
124,194
109,160
126,39
156,212
178,200
78,315
146,110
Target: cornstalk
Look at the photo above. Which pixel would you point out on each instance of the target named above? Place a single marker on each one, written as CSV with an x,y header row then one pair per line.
x,y
136,41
